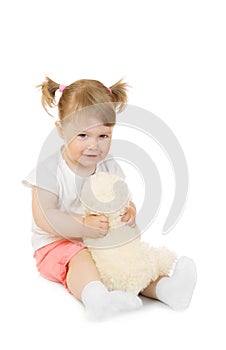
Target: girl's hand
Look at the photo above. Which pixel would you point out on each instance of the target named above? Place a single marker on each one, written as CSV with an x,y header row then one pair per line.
x,y
96,226
129,216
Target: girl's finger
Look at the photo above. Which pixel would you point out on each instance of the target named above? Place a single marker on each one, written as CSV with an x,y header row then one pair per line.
x,y
125,217
103,218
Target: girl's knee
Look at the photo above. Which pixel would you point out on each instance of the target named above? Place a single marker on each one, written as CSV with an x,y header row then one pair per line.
x,y
80,256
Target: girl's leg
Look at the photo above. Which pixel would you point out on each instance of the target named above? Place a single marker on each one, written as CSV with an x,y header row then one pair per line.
x,y
82,270
83,281
175,291
150,290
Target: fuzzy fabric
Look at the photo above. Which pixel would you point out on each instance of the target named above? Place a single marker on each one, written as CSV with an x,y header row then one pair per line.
x,y
133,266
124,261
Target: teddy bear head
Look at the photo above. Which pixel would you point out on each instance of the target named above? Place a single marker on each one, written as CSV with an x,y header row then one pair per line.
x,y
105,193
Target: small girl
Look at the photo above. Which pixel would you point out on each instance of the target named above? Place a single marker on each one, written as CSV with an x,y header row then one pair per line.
x,y
87,115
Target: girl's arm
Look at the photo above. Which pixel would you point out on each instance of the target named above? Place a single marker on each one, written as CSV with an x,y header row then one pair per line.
x,y
69,226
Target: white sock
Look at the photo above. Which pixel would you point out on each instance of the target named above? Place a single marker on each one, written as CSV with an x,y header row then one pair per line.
x,y
102,304
176,291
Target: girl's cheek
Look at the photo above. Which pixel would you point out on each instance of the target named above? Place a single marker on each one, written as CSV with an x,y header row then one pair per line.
x,y
106,145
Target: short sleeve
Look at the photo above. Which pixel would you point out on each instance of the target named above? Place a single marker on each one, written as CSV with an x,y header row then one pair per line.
x,y
44,175
30,179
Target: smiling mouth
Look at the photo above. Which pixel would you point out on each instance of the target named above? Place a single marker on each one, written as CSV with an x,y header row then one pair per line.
x,y
91,155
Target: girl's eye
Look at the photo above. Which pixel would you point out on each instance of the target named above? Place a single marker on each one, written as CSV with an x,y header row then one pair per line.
x,y
103,136
83,136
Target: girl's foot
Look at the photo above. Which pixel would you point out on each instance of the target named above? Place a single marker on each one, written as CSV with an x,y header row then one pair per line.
x,y
101,304
176,291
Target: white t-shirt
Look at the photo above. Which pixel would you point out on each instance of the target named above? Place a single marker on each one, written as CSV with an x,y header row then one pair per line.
x,y
54,175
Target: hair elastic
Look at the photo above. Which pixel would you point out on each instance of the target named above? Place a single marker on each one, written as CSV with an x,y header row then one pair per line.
x,y
62,87
110,90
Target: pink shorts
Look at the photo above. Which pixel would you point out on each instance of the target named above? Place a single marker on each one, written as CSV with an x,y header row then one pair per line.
x,y
52,260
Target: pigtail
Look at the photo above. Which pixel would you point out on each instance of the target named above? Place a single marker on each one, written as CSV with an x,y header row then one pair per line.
x,y
49,88
118,92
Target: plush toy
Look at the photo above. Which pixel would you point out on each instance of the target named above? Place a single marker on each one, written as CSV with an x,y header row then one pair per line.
x,y
124,261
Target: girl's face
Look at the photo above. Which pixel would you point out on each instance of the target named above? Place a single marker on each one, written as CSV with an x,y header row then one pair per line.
x,y
87,146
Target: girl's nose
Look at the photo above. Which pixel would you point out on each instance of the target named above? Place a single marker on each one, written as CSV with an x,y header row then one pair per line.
x,y
93,144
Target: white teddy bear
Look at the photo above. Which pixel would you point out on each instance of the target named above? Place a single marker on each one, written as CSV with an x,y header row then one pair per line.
x,y
124,261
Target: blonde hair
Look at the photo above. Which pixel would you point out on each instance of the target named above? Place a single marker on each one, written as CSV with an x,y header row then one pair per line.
x,y
85,93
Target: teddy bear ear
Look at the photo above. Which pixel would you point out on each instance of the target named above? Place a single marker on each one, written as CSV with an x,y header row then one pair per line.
x,y
92,203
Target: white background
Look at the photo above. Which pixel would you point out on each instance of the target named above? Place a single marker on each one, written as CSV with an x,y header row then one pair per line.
x,y
173,55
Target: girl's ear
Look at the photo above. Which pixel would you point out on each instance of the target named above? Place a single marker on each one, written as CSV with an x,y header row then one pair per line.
x,y
59,129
